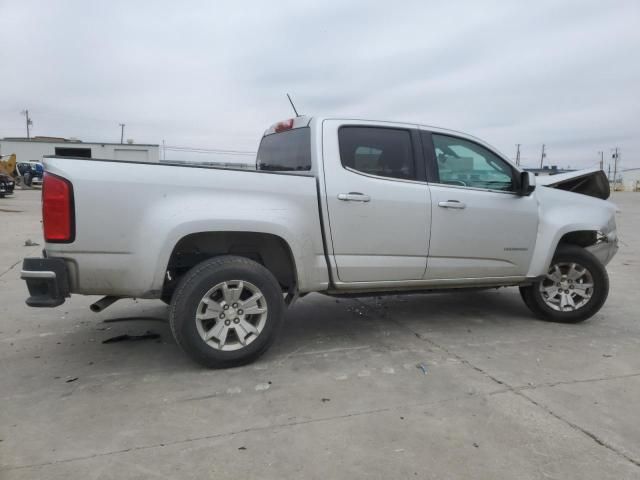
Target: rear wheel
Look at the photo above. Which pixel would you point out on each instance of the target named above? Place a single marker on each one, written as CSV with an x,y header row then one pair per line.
x,y
226,311
574,289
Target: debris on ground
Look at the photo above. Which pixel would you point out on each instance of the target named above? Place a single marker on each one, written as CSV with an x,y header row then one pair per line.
x,y
358,311
242,448
71,380
325,400
422,367
128,319
148,335
30,243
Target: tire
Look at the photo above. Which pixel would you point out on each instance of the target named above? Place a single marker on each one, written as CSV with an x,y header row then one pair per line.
x,y
27,179
523,296
166,299
553,307
202,292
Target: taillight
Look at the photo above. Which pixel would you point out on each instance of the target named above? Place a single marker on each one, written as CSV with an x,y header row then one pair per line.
x,y
57,209
284,125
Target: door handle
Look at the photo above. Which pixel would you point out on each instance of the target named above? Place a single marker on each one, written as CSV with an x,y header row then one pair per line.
x,y
354,197
452,204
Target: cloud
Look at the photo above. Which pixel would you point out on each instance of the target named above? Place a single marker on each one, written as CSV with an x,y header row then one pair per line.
x,y
214,74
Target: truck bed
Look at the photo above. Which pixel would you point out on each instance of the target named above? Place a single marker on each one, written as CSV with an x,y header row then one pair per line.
x,y
129,216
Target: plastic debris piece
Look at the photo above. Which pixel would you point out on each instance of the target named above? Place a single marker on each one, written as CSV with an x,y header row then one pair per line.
x,y
422,367
148,335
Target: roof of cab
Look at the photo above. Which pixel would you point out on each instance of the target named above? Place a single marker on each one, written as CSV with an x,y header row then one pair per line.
x,y
305,121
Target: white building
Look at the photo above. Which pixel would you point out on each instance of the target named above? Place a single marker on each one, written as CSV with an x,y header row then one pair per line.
x,y
35,148
631,179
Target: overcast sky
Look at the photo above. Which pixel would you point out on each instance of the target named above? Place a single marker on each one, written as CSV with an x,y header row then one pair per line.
x,y
214,74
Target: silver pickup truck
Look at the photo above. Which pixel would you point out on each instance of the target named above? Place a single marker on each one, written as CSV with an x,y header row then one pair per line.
x,y
337,206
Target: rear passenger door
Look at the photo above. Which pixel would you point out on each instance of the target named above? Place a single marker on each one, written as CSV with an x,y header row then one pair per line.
x,y
377,201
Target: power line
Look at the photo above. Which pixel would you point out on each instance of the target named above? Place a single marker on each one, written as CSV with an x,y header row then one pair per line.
x,y
211,149
176,148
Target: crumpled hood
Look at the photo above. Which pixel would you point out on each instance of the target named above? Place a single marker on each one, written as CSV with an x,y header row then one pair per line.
x,y
591,181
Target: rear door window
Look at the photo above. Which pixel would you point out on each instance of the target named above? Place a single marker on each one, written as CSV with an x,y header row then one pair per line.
x,y
384,152
285,151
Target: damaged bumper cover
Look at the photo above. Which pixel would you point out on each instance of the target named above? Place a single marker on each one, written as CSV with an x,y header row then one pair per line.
x,y
47,280
606,247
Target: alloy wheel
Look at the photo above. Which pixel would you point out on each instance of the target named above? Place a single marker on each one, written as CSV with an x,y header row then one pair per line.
x,y
567,287
231,315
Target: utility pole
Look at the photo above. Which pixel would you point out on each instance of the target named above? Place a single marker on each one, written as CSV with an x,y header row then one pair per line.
x,y
601,160
543,155
121,132
29,122
615,157
609,173
518,155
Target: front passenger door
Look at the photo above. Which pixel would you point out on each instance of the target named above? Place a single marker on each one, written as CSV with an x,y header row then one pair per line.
x,y
480,226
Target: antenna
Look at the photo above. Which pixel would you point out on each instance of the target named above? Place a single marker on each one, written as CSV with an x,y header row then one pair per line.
x,y
292,105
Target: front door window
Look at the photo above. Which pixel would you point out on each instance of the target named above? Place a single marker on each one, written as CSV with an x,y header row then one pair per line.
x,y
467,164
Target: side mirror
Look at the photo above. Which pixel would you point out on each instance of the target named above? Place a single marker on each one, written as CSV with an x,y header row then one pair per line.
x,y
527,183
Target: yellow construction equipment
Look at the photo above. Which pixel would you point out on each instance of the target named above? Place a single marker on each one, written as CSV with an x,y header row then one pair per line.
x,y
8,166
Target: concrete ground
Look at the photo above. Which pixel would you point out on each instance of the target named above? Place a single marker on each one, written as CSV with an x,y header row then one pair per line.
x,y
339,395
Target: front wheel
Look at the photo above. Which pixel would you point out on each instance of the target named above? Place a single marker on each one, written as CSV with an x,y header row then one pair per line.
x,y
226,311
574,289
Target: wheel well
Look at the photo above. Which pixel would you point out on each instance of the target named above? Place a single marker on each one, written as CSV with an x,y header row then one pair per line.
x,y
582,238
269,250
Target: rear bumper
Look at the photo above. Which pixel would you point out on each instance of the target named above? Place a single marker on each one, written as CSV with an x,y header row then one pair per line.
x,y
47,280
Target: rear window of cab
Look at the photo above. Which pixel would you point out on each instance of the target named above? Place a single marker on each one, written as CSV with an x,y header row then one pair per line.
x,y
285,151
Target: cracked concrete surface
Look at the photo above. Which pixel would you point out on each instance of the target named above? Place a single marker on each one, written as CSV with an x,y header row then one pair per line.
x,y
338,396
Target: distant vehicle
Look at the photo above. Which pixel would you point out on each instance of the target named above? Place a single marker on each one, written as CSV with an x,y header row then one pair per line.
x,y
336,206
30,172
6,185
38,172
